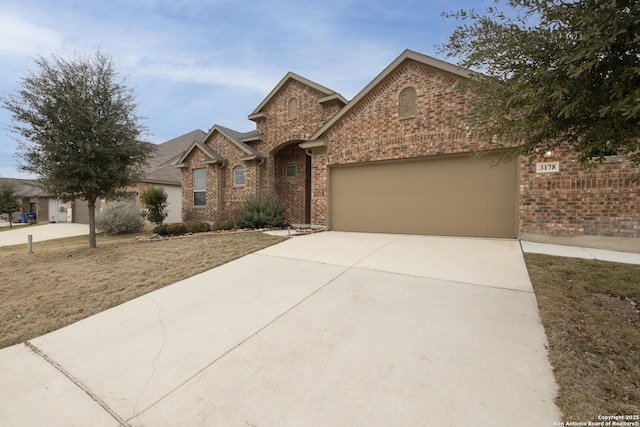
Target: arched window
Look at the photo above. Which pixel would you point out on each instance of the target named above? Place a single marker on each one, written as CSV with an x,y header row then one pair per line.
x,y
407,103
239,177
293,109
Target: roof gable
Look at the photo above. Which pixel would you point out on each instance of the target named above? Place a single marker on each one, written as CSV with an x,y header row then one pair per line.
x,y
437,64
328,93
236,138
213,156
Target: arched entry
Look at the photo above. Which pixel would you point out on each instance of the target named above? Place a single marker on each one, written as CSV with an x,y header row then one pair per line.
x,y
292,181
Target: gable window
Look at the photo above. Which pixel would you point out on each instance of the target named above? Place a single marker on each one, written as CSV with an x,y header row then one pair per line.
x,y
407,103
199,187
239,176
290,171
293,109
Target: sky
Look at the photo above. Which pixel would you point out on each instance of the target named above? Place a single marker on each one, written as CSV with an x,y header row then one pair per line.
x,y
197,63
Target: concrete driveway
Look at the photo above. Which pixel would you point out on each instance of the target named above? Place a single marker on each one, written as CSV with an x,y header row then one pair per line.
x,y
18,233
331,329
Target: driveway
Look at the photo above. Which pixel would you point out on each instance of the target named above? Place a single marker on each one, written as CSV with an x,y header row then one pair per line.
x,y
18,234
331,329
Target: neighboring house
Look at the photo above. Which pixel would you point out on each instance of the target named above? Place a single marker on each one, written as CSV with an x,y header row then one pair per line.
x,y
161,172
37,202
391,160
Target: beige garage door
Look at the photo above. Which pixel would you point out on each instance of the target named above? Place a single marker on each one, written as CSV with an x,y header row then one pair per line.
x,y
444,195
80,211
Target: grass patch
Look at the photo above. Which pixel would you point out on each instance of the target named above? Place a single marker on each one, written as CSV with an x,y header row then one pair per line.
x,y
64,281
590,313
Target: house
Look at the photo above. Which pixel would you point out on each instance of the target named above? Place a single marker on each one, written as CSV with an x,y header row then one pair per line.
x,y
162,173
390,160
36,201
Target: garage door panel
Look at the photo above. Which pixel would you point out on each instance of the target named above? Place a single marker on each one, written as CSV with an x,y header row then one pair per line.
x,y
447,196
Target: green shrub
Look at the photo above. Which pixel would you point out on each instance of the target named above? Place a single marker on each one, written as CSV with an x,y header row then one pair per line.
x,y
197,227
155,199
264,211
161,230
119,217
222,224
176,229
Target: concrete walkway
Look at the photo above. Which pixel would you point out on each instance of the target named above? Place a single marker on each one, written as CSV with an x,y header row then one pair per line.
x,y
578,252
18,234
330,329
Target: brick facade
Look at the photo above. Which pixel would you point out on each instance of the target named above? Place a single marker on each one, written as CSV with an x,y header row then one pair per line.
x,y
278,146
603,201
599,202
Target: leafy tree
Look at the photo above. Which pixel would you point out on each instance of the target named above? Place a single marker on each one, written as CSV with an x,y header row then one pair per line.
x,y
555,75
155,200
8,199
78,129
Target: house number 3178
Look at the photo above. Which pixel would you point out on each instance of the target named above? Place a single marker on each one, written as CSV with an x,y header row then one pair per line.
x,y
547,167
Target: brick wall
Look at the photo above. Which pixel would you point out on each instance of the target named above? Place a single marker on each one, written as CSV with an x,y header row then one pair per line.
x,y
281,137
208,212
374,131
292,190
577,202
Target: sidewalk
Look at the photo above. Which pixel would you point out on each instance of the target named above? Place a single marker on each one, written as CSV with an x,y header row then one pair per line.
x,y
579,252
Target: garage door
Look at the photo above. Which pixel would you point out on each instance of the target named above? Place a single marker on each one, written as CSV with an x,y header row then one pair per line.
x,y
80,211
444,195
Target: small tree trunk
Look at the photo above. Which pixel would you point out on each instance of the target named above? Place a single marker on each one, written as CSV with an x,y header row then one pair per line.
x,y
92,223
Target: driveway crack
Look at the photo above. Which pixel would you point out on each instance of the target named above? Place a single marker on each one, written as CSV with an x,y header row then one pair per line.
x,y
160,351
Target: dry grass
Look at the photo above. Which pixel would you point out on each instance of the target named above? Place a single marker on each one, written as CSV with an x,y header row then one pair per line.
x,y
590,313
64,281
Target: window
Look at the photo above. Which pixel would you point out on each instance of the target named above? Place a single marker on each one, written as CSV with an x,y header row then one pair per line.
x,y
293,109
239,177
407,104
290,171
199,187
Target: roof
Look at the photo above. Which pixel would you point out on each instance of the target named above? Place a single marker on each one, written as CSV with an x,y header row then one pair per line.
x,y
329,94
161,168
405,56
25,187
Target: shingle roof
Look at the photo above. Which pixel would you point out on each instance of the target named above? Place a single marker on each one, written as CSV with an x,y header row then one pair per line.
x,y
25,187
167,154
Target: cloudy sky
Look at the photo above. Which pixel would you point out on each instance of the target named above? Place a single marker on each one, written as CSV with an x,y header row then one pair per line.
x,y
196,63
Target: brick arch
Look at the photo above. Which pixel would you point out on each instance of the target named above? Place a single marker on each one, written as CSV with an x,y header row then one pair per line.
x,y
292,180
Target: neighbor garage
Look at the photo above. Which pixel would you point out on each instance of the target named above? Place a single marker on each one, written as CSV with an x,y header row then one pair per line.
x,y
442,195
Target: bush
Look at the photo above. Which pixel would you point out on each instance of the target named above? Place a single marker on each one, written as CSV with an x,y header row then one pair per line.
x,y
176,229
161,230
264,211
119,217
222,224
155,199
197,227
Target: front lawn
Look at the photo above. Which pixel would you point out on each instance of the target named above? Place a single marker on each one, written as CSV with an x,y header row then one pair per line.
x,y
590,313
64,281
